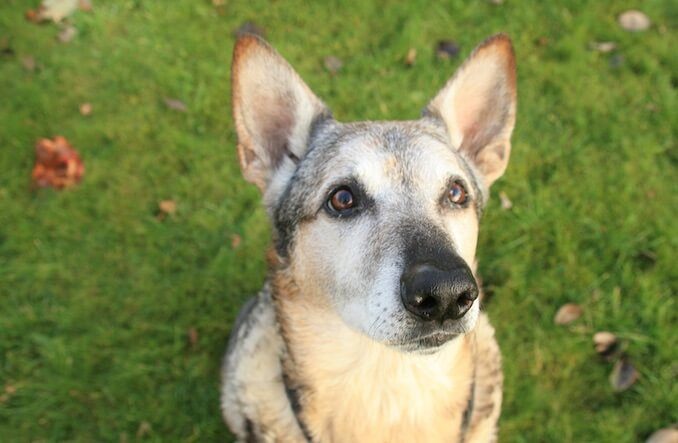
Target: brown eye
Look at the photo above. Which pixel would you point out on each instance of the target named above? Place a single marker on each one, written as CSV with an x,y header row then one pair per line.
x,y
341,200
457,194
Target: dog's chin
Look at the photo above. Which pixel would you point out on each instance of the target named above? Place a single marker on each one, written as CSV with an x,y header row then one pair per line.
x,y
427,344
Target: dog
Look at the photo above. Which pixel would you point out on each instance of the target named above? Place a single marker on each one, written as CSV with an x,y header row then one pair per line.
x,y
368,328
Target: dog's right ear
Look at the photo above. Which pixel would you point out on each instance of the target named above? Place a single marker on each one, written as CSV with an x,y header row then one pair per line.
x,y
273,109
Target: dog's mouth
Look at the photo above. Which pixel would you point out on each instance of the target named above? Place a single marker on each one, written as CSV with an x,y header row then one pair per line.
x,y
428,343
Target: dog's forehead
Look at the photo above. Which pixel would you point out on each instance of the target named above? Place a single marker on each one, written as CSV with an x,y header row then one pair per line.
x,y
384,155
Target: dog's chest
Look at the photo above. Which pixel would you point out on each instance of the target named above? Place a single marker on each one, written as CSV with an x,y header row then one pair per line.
x,y
363,391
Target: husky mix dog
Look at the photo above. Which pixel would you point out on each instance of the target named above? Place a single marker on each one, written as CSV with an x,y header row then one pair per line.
x,y
368,328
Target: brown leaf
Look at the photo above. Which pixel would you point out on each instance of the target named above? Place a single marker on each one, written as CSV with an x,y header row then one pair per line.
x,y
144,429
666,435
506,202
447,49
28,62
85,108
85,5
167,207
567,313
606,344
175,104
411,56
332,64
603,47
57,164
67,34
192,336
55,10
249,28
623,375
235,241
634,21
5,47
218,3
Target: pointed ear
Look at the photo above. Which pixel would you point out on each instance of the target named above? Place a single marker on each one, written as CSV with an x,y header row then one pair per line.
x,y
478,106
273,109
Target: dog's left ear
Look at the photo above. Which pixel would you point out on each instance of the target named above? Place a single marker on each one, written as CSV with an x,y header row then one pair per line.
x,y
273,109
478,106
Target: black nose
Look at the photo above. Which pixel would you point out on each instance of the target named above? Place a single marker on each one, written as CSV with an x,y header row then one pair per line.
x,y
433,294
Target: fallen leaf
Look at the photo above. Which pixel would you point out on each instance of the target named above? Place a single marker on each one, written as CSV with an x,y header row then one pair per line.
x,y
144,429
28,62
175,104
606,344
567,313
167,207
249,28
235,241
55,10
506,202
603,47
85,109
447,49
10,389
666,435
85,5
192,336
67,34
218,3
496,2
57,164
634,21
411,56
332,64
6,47
623,375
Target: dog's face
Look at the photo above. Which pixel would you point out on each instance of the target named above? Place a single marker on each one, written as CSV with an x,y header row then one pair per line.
x,y
378,220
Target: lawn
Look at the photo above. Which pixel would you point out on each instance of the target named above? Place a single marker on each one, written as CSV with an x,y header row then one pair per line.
x,y
113,320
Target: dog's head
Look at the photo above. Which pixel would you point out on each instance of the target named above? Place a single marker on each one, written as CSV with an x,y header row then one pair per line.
x,y
378,220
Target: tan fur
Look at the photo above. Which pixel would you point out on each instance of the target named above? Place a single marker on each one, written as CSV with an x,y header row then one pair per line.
x,y
354,389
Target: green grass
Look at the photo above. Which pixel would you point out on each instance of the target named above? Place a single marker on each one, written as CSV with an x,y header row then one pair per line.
x,y
97,295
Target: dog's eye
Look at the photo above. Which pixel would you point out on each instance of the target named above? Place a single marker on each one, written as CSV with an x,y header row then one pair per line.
x,y
457,194
341,200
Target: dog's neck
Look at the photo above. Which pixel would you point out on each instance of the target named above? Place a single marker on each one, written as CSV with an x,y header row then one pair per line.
x,y
343,380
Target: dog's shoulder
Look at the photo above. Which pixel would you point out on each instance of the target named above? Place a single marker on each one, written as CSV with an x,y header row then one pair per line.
x,y
253,397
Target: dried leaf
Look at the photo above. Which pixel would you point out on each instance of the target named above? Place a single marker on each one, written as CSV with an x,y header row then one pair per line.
x,y
56,10
623,375
218,3
447,49
332,64
567,313
666,435
235,241
144,429
175,104
5,46
57,164
28,62
85,5
506,202
606,344
634,21
85,109
249,28
603,47
192,336
411,56
167,207
67,34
